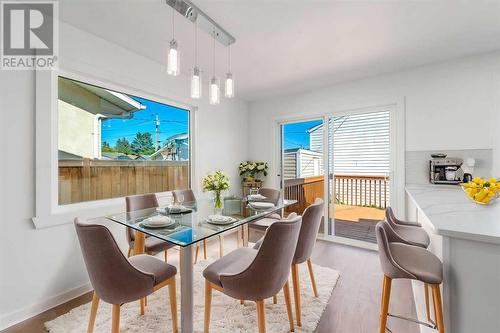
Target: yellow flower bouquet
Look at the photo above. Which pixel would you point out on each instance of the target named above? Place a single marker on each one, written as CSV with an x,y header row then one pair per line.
x,y
482,191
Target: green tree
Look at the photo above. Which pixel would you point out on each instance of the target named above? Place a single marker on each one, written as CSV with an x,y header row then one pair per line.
x,y
105,147
143,144
123,146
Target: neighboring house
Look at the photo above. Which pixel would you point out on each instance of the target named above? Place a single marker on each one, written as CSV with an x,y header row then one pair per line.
x,y
360,143
62,155
302,163
81,108
175,148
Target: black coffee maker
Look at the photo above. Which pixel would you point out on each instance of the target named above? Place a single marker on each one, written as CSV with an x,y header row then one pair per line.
x,y
467,178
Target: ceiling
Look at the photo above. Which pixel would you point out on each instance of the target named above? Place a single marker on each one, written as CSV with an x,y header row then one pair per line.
x,y
290,46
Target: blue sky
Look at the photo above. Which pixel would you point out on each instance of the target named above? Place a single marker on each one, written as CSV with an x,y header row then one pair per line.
x,y
296,135
172,121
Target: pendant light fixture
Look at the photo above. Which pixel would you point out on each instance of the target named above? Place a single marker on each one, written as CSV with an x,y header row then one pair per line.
x,y
196,74
229,91
214,92
173,58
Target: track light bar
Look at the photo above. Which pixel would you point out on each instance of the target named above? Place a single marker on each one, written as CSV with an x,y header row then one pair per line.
x,y
191,12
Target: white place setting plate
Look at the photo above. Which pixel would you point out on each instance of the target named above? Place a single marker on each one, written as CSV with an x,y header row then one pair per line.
x,y
256,197
175,209
220,219
261,205
158,221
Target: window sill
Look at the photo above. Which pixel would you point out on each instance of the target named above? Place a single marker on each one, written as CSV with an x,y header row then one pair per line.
x,y
62,215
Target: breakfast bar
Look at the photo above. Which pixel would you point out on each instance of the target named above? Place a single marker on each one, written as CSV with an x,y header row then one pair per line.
x,y
466,237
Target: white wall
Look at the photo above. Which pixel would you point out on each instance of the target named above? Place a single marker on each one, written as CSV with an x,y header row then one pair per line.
x,y
449,106
40,268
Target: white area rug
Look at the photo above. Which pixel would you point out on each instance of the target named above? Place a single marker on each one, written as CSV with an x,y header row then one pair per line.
x,y
228,315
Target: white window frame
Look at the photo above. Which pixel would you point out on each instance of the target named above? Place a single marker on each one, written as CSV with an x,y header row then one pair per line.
x,y
48,212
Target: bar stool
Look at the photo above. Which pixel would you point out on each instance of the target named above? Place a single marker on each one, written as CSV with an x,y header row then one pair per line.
x,y
403,261
389,214
411,233
408,232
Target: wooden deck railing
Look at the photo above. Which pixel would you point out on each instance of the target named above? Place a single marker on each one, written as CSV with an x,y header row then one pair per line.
x,y
85,180
352,190
356,190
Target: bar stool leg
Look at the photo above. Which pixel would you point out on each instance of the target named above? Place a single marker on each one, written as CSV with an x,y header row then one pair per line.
x,y
386,294
436,296
427,306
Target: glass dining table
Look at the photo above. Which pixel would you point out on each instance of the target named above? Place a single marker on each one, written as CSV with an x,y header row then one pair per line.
x,y
187,229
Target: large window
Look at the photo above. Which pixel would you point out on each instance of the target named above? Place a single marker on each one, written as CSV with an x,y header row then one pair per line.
x,y
111,144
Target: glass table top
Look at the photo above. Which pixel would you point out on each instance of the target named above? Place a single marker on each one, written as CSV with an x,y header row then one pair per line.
x,y
192,227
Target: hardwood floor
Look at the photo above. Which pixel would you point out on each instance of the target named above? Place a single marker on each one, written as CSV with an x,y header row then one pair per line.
x,y
353,307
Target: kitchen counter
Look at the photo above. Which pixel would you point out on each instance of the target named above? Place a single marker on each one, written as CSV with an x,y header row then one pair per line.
x,y
452,214
466,237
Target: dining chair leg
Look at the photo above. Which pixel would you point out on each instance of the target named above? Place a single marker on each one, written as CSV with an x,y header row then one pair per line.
x,y
288,302
311,274
436,296
146,301
427,305
208,305
242,302
275,299
239,237
139,243
129,252
221,246
261,316
142,303
93,312
166,255
296,293
205,249
173,303
196,253
386,295
115,319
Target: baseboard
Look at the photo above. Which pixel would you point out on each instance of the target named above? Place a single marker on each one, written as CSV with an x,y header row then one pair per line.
x,y
13,318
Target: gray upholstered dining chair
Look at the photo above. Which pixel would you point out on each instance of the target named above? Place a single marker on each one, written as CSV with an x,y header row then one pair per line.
x,y
189,197
152,245
116,279
254,275
273,196
311,220
403,261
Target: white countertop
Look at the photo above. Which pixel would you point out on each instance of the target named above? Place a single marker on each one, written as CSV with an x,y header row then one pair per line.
x,y
454,215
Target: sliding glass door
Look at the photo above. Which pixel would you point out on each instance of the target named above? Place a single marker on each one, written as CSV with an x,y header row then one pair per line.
x,y
303,161
345,160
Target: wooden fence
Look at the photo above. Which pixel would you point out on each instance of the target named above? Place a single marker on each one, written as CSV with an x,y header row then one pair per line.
x,y
86,180
352,190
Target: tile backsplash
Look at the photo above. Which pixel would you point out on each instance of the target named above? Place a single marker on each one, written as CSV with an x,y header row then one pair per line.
x,y
417,163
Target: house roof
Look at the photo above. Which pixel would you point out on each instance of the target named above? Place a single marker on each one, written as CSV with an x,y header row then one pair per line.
x,y
110,104
302,150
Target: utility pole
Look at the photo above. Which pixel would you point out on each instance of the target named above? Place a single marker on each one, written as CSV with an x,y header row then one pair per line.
x,y
157,130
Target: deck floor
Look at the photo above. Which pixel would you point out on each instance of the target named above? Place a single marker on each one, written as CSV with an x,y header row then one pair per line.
x,y
356,222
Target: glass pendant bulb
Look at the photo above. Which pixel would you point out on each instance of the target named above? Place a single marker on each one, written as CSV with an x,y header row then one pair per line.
x,y
214,91
173,61
229,86
196,83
